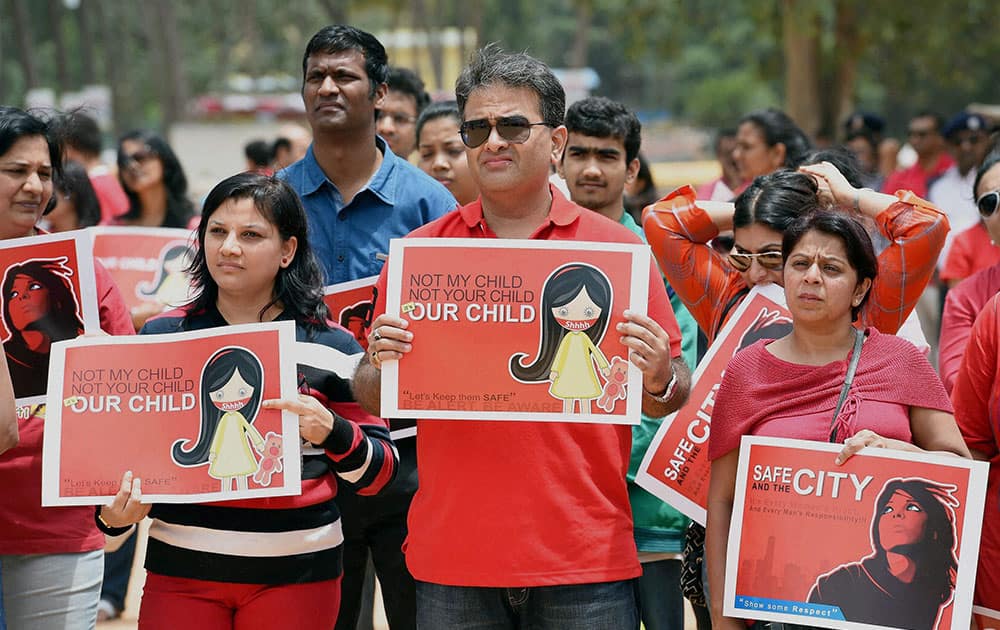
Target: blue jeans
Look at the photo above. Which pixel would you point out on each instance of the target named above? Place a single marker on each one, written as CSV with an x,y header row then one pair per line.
x,y
597,606
661,602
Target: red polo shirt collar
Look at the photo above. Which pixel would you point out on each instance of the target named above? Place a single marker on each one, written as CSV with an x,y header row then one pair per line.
x,y
562,213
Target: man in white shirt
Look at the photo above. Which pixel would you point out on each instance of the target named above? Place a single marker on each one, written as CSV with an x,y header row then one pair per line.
x,y
968,140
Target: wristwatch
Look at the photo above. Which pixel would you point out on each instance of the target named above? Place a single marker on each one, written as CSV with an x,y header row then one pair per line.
x,y
671,386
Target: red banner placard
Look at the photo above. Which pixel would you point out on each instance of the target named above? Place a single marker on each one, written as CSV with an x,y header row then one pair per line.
x,y
675,467
48,295
515,330
149,265
889,539
181,411
350,305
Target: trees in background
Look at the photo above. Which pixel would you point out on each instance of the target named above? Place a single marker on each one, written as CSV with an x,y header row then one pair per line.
x,y
703,61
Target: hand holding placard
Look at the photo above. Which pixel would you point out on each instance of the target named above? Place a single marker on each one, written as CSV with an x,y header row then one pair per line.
x,y
126,508
389,339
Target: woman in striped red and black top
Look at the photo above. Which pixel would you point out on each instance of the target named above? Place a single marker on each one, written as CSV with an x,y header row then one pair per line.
x,y
252,563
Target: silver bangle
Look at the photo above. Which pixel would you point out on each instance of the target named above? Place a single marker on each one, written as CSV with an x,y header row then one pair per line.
x,y
671,386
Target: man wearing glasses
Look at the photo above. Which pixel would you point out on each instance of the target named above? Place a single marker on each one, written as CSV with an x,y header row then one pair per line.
x,y
968,137
525,524
397,117
924,135
358,195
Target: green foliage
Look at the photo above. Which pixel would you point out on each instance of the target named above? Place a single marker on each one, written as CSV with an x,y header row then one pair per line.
x,y
721,98
705,61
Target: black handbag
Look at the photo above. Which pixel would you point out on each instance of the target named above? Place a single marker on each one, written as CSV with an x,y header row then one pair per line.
x,y
692,561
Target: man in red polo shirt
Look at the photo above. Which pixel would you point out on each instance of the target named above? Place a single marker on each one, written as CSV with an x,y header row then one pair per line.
x,y
525,524
933,160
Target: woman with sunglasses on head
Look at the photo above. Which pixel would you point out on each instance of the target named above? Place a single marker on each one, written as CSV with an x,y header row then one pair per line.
x,y
243,564
52,558
679,230
794,387
963,303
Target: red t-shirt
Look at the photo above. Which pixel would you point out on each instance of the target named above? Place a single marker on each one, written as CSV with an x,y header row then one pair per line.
x,y
916,179
25,526
977,410
971,251
513,504
961,307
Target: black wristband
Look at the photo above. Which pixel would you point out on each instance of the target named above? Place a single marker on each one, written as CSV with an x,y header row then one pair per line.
x,y
341,436
105,528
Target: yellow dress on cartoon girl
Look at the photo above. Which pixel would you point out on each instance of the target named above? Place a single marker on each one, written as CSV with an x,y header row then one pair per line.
x,y
175,289
576,378
232,454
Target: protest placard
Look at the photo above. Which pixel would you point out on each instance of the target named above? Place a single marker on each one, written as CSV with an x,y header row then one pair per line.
x,y
889,539
515,330
149,265
351,305
181,411
48,294
675,467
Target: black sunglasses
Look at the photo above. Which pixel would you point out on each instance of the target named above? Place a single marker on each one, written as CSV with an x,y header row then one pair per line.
x,y
139,157
988,203
514,129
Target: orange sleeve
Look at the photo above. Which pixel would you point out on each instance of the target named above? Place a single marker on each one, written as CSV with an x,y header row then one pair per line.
x,y
916,231
678,233
977,383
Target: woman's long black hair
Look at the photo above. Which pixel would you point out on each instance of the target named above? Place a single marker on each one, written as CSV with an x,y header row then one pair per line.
x,y
299,286
775,200
934,556
561,288
216,373
179,207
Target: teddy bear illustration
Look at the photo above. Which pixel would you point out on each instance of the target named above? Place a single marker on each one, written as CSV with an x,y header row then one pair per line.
x,y
270,461
614,388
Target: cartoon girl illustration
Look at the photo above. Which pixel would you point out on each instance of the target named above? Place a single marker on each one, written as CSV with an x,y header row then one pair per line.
x,y
574,317
909,577
231,384
39,308
172,285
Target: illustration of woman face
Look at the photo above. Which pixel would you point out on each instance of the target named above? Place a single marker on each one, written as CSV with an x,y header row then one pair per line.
x,y
580,313
902,521
27,300
234,395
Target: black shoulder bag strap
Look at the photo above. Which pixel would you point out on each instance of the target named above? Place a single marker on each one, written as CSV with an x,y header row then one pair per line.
x,y
859,339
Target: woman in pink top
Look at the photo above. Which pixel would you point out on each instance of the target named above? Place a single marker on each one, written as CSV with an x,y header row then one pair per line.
x,y
789,387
